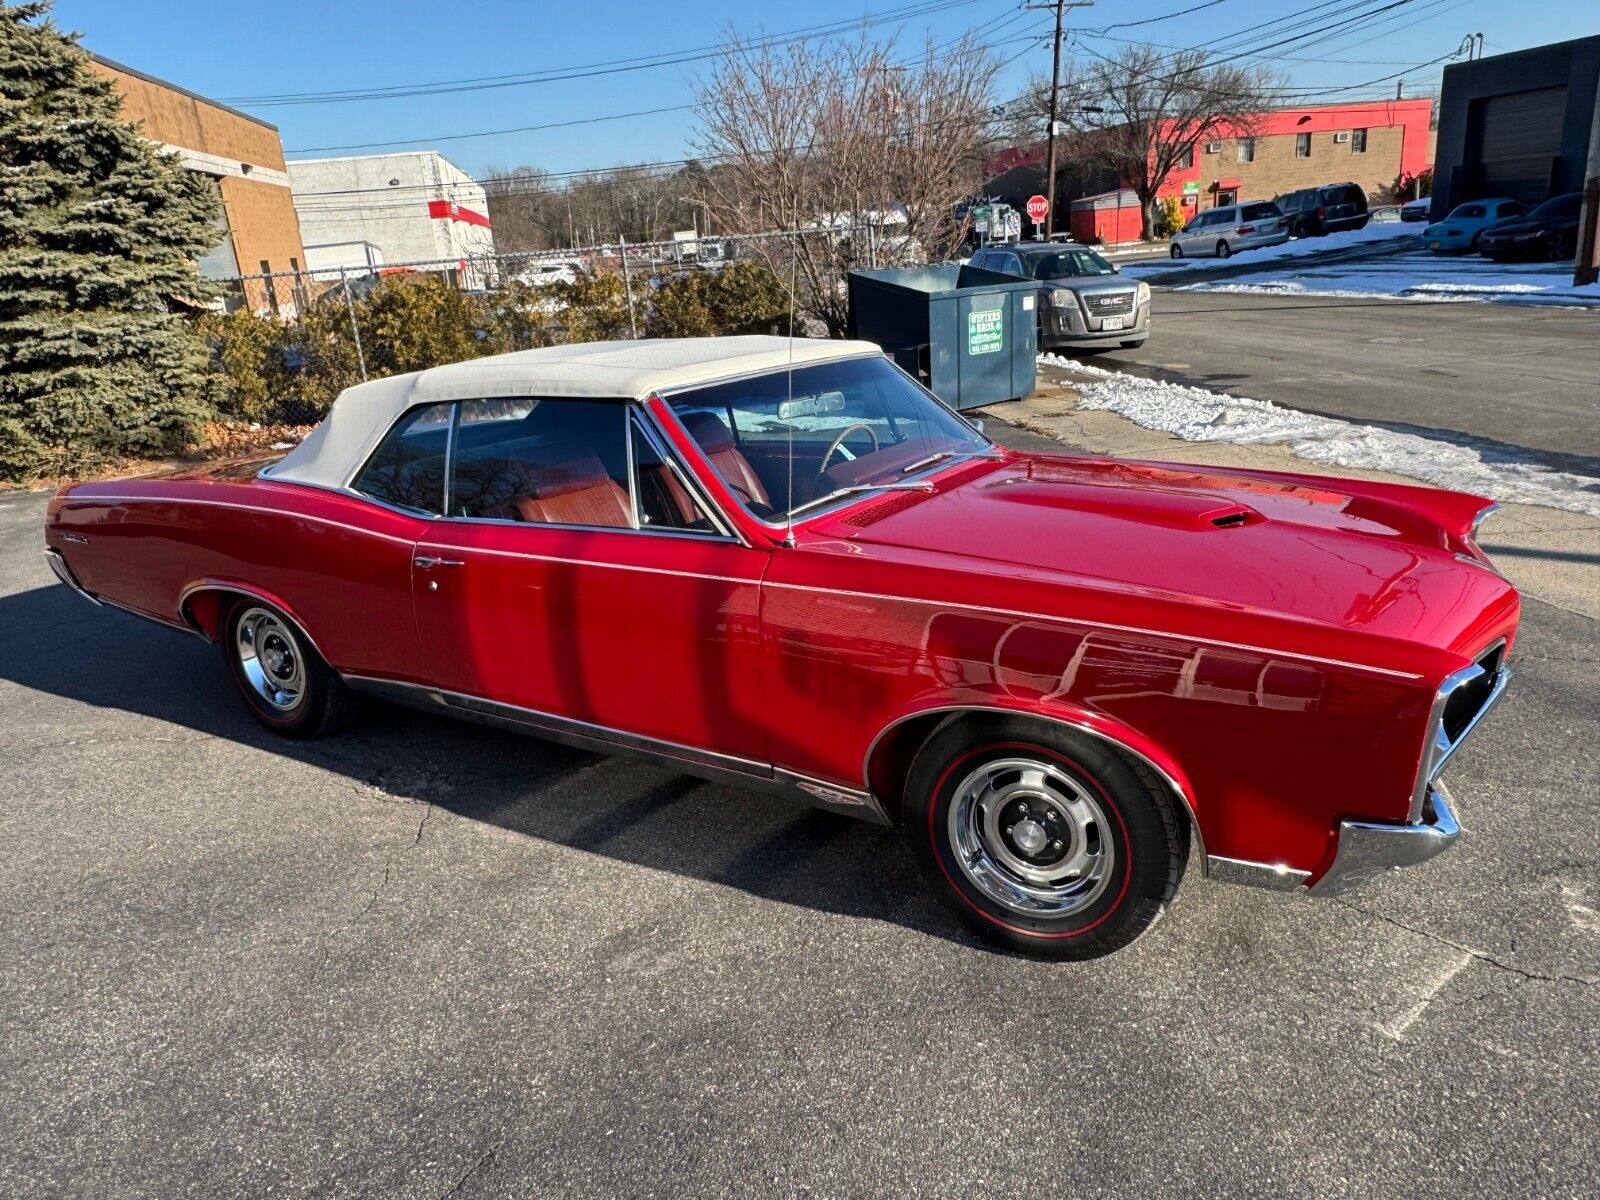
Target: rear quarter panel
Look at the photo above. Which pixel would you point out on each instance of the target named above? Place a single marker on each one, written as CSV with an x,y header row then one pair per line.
x,y
341,566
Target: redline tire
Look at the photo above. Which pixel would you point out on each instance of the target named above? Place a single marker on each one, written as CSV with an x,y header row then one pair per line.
x,y
1134,830
280,676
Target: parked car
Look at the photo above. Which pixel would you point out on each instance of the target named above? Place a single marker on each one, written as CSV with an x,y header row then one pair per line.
x,y
784,565
1314,211
1549,231
1084,304
1417,210
1227,230
1458,233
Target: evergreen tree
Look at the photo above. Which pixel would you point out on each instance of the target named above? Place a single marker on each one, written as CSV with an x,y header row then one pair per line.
x,y
98,235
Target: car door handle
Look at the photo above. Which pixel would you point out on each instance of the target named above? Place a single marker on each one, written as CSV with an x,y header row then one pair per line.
x,y
427,562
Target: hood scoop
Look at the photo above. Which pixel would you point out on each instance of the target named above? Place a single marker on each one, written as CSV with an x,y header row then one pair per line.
x,y
1171,508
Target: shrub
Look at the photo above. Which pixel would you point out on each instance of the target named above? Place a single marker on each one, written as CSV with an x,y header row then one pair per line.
x,y
1171,216
743,297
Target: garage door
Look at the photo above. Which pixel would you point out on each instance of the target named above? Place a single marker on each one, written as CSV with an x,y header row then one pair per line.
x,y
1519,136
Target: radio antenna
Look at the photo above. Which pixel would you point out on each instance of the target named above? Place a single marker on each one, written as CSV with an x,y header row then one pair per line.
x,y
794,266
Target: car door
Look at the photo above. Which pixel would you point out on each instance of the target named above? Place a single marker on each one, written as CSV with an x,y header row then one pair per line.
x,y
578,575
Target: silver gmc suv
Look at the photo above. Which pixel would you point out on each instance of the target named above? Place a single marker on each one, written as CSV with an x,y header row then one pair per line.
x,y
1083,303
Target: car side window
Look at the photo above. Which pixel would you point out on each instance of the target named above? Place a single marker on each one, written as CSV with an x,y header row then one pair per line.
x,y
407,468
664,498
542,461
1512,208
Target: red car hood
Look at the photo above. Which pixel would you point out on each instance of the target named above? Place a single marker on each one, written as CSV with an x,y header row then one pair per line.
x,y
1376,557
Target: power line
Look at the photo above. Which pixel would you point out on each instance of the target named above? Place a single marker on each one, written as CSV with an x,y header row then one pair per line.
x,y
592,70
647,112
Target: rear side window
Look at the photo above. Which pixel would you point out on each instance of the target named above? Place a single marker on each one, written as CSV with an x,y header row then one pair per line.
x,y
1261,212
1345,194
407,468
560,462
1469,210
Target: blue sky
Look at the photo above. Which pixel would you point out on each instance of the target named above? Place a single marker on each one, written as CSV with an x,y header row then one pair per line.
x,y
227,50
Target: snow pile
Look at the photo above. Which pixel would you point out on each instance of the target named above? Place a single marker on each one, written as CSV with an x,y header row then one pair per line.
x,y
1374,231
1197,415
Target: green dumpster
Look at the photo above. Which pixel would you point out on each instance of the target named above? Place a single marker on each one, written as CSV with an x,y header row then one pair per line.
x,y
968,334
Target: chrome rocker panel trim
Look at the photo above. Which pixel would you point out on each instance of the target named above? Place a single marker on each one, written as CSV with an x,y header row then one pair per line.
x,y
1275,877
690,760
1367,849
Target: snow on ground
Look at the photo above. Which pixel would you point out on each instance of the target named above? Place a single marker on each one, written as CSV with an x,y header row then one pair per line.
x,y
1418,274
1198,415
1373,232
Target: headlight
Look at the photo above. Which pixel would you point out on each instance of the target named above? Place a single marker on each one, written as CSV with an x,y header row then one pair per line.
x,y
1143,293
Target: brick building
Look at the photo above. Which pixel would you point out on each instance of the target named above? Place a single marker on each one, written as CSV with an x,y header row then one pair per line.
x,y
1367,143
244,155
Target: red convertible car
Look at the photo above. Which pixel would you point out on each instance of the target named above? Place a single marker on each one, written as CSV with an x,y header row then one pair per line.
x,y
790,566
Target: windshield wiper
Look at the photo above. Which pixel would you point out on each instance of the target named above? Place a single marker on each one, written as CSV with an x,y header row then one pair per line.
x,y
941,455
910,485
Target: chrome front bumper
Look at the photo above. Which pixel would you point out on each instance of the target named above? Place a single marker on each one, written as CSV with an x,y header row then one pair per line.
x,y
1368,848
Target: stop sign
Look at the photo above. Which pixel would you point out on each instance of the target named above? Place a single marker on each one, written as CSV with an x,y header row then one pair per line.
x,y
1038,207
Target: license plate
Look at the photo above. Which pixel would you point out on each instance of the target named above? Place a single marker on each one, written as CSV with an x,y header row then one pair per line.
x,y
1111,323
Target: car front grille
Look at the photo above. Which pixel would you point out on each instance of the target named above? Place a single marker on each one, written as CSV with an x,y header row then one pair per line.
x,y
1460,703
1109,304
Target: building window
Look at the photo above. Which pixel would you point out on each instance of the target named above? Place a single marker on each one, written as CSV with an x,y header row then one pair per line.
x,y
1302,145
1247,149
1358,141
270,285
1186,158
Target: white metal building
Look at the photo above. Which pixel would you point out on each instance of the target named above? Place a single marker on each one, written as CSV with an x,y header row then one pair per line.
x,y
398,209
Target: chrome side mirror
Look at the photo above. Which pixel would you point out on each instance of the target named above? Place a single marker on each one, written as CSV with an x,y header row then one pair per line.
x,y
976,423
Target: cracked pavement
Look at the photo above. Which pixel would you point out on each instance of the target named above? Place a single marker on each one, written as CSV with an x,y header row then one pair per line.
x,y
427,959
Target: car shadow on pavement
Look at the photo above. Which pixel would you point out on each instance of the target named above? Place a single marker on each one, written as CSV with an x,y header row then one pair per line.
x,y
768,846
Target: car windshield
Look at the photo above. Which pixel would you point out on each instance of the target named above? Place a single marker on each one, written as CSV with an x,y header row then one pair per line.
x,y
1561,206
787,445
1066,264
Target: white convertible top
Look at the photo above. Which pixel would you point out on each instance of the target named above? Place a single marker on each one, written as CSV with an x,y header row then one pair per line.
x,y
361,415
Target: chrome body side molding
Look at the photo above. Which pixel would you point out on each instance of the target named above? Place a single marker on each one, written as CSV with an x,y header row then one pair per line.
x,y
1273,876
690,760
64,573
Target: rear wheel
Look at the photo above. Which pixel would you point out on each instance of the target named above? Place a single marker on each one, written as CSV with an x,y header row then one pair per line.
x,y
1177,250
1557,249
1224,250
284,681
1042,840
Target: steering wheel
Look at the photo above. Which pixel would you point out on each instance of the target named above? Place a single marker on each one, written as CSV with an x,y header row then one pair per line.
x,y
837,442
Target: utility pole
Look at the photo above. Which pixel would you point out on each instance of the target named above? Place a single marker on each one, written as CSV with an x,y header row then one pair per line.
x,y
1059,7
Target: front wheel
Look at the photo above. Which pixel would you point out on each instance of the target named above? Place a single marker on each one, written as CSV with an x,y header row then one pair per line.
x,y
1043,840
284,681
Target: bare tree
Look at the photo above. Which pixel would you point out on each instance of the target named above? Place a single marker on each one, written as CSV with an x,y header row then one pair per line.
x,y
1156,108
861,159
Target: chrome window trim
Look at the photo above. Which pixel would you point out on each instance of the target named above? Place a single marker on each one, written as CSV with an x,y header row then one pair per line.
x,y
606,739
729,531
632,410
1054,719
349,484
1437,748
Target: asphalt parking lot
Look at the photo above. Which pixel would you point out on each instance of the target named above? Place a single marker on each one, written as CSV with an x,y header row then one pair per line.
x,y
425,959
1506,379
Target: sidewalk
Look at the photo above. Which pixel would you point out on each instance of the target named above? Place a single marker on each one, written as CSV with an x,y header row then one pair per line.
x,y
1550,554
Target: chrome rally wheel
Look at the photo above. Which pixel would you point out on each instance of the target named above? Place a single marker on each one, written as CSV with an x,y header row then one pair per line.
x,y
1044,839
285,683
270,658
1030,837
